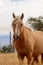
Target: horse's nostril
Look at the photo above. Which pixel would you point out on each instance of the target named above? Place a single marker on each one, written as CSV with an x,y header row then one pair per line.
x,y
17,37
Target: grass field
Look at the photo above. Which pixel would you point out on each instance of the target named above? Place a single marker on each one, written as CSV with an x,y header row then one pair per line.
x,y
12,59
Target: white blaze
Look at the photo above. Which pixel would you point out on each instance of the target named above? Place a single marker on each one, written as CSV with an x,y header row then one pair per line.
x,y
16,29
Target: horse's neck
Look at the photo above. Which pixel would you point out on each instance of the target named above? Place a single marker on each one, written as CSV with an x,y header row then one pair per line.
x,y
25,32
28,28
24,36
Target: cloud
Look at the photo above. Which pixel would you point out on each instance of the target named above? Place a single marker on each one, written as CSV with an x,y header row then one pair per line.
x,y
28,7
16,0
5,3
1,3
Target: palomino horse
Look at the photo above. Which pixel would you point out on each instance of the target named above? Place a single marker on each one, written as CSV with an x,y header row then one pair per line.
x,y
26,42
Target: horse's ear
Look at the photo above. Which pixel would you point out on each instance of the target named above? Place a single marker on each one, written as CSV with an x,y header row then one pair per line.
x,y
22,16
14,15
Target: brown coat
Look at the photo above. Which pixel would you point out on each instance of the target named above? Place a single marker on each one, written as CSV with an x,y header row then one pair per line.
x,y
30,43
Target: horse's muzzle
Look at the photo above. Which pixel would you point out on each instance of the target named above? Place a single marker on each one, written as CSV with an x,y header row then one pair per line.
x,y
15,37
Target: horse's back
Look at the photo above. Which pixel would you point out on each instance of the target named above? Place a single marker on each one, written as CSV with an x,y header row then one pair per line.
x,y
38,36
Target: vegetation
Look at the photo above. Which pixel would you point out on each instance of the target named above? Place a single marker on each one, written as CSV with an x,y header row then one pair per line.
x,y
36,23
6,49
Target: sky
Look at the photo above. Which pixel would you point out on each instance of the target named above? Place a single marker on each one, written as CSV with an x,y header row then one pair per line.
x,y
30,8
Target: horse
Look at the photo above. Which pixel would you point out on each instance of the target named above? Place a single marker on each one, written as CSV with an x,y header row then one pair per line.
x,y
27,42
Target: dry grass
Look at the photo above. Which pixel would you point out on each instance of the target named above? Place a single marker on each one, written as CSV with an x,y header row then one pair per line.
x,y
12,59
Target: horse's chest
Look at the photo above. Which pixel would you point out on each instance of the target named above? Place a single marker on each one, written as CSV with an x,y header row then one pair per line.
x,y
21,48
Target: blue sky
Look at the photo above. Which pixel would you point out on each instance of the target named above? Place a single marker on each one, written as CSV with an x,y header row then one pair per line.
x,y
28,7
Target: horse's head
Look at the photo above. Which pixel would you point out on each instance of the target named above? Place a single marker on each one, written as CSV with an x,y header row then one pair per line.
x,y
17,25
